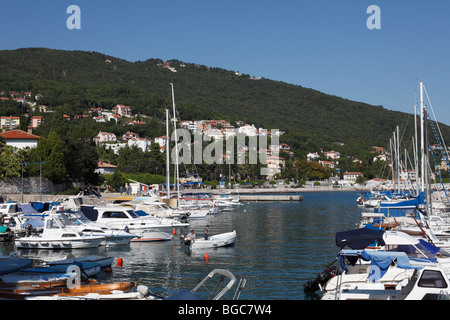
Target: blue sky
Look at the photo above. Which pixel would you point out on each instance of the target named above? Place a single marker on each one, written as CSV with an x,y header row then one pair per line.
x,y
319,44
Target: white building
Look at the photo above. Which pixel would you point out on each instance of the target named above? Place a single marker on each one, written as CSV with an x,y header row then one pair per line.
x,y
334,155
104,137
312,156
105,168
352,176
20,139
141,143
161,141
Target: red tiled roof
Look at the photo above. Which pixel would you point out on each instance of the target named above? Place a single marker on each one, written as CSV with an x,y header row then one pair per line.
x,y
102,164
18,134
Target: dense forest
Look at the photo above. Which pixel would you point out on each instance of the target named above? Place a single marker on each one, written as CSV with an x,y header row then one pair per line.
x,y
72,82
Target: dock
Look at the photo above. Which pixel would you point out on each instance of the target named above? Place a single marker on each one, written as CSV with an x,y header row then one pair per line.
x,y
270,197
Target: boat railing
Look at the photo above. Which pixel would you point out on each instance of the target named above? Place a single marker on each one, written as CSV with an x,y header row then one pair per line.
x,y
216,293
443,295
391,282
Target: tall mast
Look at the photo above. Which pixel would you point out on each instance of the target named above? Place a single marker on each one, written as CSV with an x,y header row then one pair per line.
x,y
167,155
176,143
422,137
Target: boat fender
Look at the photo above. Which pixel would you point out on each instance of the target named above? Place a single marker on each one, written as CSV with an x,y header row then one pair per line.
x,y
142,290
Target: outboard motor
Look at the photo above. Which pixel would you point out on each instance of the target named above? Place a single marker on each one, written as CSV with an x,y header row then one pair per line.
x,y
321,279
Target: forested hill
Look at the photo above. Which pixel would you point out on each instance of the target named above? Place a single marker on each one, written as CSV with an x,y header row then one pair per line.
x,y
80,80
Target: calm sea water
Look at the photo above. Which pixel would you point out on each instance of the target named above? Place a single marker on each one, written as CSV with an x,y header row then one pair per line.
x,y
279,247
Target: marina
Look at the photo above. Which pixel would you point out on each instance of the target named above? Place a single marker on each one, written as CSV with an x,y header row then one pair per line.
x,y
280,245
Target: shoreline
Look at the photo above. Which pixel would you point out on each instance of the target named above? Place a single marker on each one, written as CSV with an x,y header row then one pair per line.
x,y
107,195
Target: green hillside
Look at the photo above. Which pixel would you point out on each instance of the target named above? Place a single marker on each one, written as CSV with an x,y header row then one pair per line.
x,y
80,80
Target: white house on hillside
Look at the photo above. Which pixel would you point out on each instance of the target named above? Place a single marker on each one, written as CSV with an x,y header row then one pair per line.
x,y
20,139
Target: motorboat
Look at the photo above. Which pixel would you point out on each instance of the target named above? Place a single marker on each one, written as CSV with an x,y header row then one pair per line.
x,y
377,258
55,235
412,281
112,237
215,241
144,227
157,209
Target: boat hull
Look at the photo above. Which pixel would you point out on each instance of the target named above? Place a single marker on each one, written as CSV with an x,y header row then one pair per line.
x,y
77,243
216,241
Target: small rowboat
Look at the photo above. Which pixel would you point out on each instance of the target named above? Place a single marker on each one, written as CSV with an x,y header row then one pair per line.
x,y
216,241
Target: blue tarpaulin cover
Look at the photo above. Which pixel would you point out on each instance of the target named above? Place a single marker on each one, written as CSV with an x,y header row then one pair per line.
x,y
27,208
359,238
381,260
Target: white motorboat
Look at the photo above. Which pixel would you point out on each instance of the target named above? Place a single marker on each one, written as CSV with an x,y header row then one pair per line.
x,y
412,281
113,237
215,241
145,228
55,235
390,263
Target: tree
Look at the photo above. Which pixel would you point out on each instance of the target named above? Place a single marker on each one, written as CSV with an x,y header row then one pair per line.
x,y
51,151
115,180
10,160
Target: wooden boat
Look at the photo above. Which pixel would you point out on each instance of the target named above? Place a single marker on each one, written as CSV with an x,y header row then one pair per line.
x,y
104,289
141,293
32,281
215,241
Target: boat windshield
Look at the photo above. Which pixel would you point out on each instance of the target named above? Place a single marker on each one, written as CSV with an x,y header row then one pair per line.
x,y
120,214
414,251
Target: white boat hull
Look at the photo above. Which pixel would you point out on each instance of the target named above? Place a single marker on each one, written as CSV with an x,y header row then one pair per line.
x,y
77,243
151,235
216,241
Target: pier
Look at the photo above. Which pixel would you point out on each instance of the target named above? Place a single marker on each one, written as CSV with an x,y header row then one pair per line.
x,y
271,197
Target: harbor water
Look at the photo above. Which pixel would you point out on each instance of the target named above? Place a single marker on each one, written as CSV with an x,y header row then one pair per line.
x,y
280,246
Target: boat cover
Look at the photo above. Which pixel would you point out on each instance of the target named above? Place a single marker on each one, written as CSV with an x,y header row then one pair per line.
x,y
3,229
359,238
27,208
89,212
13,265
381,260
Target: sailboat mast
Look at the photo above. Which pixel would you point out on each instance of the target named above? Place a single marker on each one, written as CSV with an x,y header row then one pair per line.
x,y
398,160
167,155
176,143
422,137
